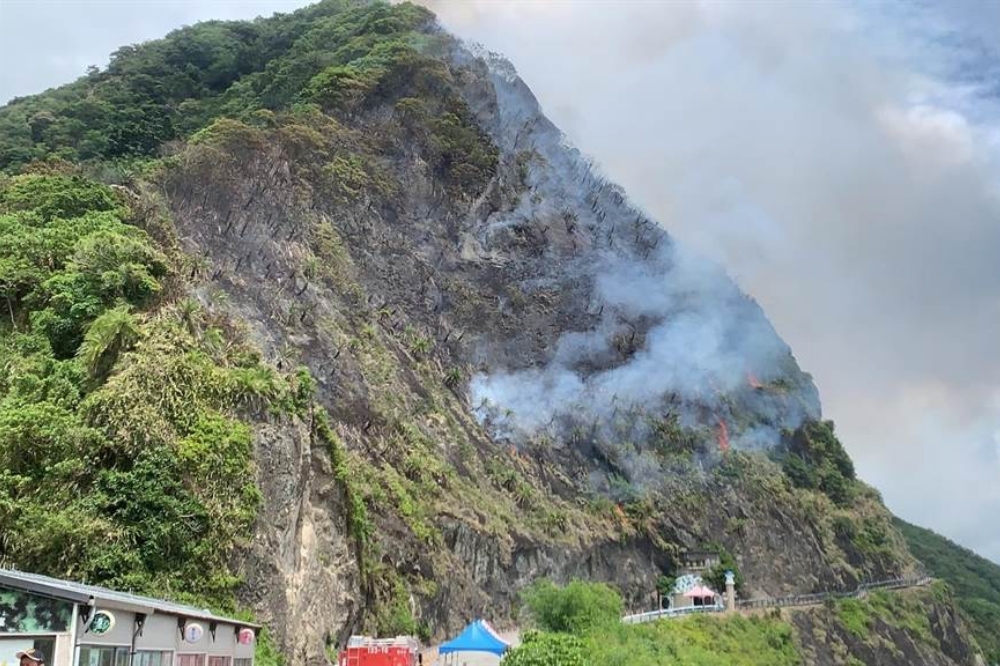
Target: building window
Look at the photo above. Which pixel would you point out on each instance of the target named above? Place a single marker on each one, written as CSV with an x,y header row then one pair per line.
x,y
218,661
92,655
242,662
47,646
9,647
190,660
152,658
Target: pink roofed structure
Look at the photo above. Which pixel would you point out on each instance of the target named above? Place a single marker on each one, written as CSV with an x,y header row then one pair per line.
x,y
701,595
699,591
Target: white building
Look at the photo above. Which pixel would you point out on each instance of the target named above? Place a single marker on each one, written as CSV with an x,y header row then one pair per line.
x,y
84,625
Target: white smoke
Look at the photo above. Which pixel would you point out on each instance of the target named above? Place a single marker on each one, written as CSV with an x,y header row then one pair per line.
x,y
840,159
669,334
708,339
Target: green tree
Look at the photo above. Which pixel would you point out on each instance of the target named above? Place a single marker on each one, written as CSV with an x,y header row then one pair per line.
x,y
106,338
110,265
665,584
547,649
815,459
716,576
575,608
53,196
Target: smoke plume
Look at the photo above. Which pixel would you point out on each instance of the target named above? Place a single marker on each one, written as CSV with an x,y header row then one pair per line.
x,y
667,334
841,161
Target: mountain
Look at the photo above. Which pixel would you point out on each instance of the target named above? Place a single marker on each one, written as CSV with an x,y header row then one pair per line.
x,y
974,580
318,316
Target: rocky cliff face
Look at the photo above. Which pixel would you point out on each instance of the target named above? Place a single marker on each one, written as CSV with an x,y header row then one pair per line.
x,y
517,373
528,377
300,568
917,627
641,326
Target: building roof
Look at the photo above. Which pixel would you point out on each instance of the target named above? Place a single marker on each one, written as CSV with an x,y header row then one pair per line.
x,y
699,591
102,596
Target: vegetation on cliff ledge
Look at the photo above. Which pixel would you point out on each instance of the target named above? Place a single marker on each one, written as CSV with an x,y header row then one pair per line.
x,y
579,625
974,580
124,415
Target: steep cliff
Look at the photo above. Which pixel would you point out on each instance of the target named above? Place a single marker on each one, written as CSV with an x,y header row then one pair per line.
x,y
909,628
974,580
461,359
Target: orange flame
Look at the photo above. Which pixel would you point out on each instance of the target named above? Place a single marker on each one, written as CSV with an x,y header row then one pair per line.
x,y
753,381
723,436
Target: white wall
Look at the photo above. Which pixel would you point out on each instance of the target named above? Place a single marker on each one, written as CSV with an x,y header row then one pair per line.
x,y
10,646
120,635
160,632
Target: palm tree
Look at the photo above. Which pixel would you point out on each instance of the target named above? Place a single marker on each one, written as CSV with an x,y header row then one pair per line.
x,y
191,315
107,337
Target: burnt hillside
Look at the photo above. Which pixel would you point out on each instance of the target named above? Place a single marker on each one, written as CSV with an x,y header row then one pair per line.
x,y
319,316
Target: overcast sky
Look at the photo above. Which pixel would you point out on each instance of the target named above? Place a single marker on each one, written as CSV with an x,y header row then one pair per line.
x,y
841,160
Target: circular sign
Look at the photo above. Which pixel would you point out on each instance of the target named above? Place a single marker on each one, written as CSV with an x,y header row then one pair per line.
x,y
245,637
193,632
102,622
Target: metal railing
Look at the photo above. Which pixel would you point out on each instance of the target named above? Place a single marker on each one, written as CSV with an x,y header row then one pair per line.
x,y
649,616
820,597
782,602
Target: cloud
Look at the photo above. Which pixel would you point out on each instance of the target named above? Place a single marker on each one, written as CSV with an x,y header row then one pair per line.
x,y
841,162
929,137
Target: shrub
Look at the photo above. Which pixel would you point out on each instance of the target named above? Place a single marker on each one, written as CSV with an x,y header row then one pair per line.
x,y
716,576
854,617
53,197
696,641
815,459
578,607
546,649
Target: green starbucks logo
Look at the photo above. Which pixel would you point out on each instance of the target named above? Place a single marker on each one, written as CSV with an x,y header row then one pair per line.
x,y
102,623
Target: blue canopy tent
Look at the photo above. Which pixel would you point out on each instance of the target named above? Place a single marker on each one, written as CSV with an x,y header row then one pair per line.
x,y
478,637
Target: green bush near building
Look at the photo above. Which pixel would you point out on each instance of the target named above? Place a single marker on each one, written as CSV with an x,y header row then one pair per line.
x,y
581,623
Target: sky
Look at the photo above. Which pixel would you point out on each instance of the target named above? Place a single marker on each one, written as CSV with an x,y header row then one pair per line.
x,y
840,159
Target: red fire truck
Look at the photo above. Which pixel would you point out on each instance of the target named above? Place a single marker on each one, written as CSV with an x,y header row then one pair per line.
x,y
367,651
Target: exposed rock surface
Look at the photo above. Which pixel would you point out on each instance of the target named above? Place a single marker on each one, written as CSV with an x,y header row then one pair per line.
x,y
467,360
300,569
495,362
914,628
